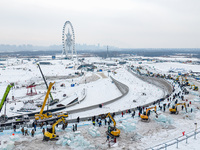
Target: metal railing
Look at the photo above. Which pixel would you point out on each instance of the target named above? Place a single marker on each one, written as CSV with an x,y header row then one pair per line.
x,y
176,140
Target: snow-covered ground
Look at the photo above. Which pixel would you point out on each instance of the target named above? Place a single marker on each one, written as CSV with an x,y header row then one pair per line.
x,y
135,134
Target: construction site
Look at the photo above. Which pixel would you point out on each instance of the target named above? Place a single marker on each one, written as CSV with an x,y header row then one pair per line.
x,y
60,105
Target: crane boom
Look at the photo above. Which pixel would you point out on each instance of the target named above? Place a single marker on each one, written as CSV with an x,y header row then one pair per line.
x,y
45,81
46,97
5,96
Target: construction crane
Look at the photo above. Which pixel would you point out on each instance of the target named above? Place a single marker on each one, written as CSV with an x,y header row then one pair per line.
x,y
53,101
3,100
173,110
112,131
145,115
48,114
50,134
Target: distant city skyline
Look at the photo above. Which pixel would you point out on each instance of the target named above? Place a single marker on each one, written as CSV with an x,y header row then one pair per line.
x,y
123,24
29,47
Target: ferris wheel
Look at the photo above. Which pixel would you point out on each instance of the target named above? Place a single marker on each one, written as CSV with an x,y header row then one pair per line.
x,y
68,40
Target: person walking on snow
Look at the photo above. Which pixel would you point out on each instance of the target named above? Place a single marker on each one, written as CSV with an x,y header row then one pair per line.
x,y
133,114
107,138
122,113
26,132
32,133
75,127
22,130
78,119
43,131
14,127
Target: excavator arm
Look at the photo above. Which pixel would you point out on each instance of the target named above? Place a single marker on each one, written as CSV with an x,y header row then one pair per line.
x,y
145,115
174,110
113,131
57,122
5,95
49,135
113,120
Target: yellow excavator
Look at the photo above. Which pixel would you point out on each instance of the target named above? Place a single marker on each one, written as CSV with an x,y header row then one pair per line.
x,y
145,115
173,110
194,87
50,134
48,114
112,131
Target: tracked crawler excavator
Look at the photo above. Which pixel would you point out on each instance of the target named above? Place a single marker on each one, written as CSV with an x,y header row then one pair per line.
x,y
112,131
145,115
50,134
174,110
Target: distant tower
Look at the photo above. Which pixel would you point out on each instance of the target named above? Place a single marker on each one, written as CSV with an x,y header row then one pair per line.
x,y
68,41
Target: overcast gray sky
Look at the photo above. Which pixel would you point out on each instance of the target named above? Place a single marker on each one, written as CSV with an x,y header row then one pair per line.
x,y
121,23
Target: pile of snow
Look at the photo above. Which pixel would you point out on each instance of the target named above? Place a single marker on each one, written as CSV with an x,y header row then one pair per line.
x,y
93,131
127,126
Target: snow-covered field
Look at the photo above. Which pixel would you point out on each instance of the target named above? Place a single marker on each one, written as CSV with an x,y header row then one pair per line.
x,y
135,134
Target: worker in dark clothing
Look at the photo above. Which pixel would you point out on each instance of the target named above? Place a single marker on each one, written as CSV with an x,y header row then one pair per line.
x,y
63,126
182,107
109,123
22,130
133,114
75,127
32,133
107,138
14,127
26,132
78,119
105,121
43,131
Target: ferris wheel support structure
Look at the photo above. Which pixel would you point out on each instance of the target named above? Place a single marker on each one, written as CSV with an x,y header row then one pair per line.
x,y
68,41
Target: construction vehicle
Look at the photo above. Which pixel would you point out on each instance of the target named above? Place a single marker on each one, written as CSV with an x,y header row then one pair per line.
x,y
48,114
145,115
195,88
61,114
173,110
3,100
112,131
50,134
5,95
53,101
